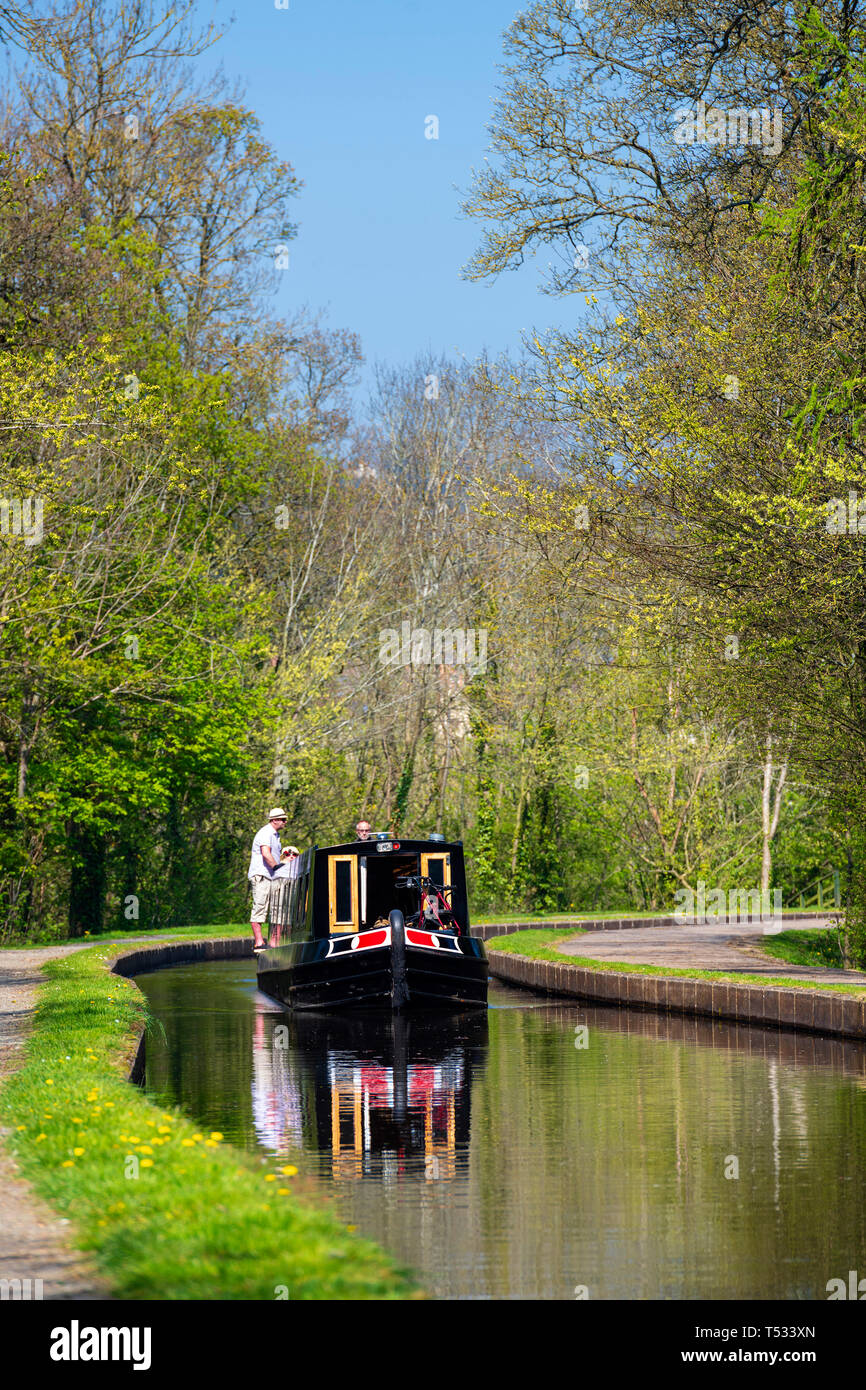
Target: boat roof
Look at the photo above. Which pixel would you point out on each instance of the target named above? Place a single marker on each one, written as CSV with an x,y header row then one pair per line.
x,y
398,843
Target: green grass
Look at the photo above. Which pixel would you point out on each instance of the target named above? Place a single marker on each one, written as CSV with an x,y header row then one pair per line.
x,y
819,948
539,945
133,935
201,1220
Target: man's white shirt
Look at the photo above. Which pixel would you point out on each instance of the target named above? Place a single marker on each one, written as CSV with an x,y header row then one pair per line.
x,y
266,836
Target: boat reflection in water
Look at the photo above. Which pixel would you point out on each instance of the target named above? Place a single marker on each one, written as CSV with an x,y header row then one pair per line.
x,y
384,1098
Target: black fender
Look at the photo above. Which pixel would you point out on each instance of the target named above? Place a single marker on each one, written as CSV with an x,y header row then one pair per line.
x,y
399,986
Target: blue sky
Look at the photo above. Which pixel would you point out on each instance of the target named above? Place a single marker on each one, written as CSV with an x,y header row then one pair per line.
x,y
343,88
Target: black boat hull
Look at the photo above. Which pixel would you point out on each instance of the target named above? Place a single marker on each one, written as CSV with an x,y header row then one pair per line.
x,y
405,970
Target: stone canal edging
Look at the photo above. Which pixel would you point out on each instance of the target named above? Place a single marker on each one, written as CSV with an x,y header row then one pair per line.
x,y
806,1010
485,933
131,963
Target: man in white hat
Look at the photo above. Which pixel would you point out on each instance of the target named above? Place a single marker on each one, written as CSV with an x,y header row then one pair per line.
x,y
264,861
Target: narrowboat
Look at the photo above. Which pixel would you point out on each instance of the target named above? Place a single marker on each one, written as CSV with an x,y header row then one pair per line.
x,y
379,923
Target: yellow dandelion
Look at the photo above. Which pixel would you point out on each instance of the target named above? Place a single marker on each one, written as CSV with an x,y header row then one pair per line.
x,y
187,1143
145,1149
67,1163
147,1163
164,1129
20,1127
270,1177
78,1152
40,1137
215,1134
290,1170
282,1191
49,1081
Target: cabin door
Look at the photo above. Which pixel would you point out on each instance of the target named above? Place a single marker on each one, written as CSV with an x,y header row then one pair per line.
x,y
342,893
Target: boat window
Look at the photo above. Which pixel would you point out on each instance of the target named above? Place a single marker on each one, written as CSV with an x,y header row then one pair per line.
x,y
343,892
437,867
301,884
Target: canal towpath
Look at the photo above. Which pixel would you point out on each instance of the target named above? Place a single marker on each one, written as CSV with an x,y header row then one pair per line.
x,y
34,1240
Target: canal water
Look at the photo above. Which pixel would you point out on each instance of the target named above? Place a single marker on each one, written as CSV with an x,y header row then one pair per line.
x,y
544,1150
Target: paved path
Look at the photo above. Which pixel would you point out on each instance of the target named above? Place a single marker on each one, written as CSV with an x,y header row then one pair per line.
x,y
34,1241
733,948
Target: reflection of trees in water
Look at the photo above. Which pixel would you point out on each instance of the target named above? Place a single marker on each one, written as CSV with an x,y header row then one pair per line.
x,y
625,1143
205,1053
385,1095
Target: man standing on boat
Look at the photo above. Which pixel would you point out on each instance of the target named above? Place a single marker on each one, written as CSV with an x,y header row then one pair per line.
x,y
264,861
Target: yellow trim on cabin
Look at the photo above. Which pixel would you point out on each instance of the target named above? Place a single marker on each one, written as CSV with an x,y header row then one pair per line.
x,y
351,924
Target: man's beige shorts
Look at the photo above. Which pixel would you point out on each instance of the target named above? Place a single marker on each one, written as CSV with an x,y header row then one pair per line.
x,y
261,885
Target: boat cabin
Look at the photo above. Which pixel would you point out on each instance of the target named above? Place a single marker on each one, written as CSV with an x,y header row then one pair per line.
x,y
353,887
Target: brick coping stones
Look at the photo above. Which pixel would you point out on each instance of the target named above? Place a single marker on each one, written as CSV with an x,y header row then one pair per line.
x,y
806,1010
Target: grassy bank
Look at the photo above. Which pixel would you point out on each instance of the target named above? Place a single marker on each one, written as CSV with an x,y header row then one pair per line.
x,y
542,945
819,948
167,1211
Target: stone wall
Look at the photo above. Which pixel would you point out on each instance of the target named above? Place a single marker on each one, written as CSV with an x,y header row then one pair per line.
x,y
807,1010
